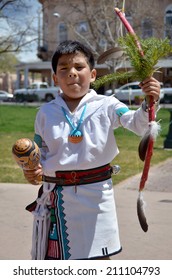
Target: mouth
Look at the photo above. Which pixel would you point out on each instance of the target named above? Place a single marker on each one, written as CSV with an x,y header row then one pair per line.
x,y
73,84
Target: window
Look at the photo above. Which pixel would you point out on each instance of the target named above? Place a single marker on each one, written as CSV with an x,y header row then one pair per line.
x,y
134,87
147,31
168,23
33,86
131,87
62,32
43,86
102,43
82,27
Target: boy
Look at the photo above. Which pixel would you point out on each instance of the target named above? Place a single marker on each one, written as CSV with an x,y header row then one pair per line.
x,y
75,133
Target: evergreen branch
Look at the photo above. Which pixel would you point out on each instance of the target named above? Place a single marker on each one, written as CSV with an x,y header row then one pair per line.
x,y
143,66
153,49
110,78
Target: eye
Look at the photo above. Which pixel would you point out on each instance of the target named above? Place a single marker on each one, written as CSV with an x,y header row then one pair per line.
x,y
63,68
80,67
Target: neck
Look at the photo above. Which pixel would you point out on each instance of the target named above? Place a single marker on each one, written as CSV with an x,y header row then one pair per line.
x,y
72,103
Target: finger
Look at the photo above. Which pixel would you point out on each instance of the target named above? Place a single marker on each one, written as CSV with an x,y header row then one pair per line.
x,y
32,172
33,180
149,79
150,83
151,89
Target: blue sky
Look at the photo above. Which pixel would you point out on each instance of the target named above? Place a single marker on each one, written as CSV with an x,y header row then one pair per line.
x,y
23,16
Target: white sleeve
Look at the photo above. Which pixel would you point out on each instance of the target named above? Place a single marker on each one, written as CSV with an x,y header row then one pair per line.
x,y
136,121
133,120
38,137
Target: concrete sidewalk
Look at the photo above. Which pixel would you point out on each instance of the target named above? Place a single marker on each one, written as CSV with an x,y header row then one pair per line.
x,y
156,244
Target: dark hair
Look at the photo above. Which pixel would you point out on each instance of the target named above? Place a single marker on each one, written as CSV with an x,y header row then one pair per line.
x,y
69,47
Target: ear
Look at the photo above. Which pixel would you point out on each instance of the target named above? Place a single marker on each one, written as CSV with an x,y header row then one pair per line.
x,y
55,79
93,75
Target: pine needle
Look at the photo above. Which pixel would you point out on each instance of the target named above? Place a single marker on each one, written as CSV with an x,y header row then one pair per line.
x,y
110,78
142,67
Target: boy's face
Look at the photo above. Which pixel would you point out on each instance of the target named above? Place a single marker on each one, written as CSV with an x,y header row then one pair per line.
x,y
73,75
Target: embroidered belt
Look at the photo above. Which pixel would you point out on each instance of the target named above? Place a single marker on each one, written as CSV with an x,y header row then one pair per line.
x,y
80,177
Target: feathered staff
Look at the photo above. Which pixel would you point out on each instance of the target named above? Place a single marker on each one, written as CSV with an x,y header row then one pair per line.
x,y
146,145
144,55
147,142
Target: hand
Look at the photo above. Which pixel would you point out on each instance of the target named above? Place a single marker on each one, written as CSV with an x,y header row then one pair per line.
x,y
33,175
151,86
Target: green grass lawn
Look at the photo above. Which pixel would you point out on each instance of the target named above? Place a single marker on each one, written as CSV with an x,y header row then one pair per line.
x,y
17,121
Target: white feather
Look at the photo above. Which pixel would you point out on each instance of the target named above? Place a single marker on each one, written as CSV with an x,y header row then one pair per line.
x,y
155,128
142,201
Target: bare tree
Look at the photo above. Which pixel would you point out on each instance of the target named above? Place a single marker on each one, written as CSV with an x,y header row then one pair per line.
x,y
151,11
16,26
103,26
95,24
100,26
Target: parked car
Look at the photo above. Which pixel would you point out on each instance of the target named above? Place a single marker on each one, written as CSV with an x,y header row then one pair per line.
x,y
5,96
128,92
167,95
38,91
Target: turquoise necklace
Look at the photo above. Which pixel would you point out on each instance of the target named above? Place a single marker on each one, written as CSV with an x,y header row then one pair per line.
x,y
75,135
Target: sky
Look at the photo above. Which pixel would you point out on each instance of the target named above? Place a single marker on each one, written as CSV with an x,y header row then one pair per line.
x,y
21,16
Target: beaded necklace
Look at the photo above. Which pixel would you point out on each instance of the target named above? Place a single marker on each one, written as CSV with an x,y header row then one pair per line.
x,y
75,135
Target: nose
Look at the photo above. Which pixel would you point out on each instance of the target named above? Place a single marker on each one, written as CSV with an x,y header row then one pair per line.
x,y
72,74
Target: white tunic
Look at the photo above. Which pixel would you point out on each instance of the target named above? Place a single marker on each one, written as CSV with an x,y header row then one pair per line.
x,y
88,226
98,146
